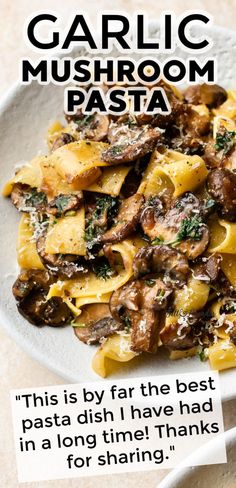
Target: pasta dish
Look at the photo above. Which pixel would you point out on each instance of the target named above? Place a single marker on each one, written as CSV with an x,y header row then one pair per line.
x,y
128,230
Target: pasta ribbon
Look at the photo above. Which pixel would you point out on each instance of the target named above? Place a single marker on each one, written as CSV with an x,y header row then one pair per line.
x,y
27,255
65,235
228,266
116,347
222,355
173,172
226,318
192,297
103,298
111,180
53,184
90,285
30,174
187,353
223,237
73,160
228,108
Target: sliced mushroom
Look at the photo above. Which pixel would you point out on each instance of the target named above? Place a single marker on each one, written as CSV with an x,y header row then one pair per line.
x,y
161,259
188,331
126,220
30,290
65,203
182,226
140,304
97,324
93,127
177,109
208,269
177,336
211,156
145,331
130,143
28,199
210,95
62,140
63,265
188,144
221,184
195,124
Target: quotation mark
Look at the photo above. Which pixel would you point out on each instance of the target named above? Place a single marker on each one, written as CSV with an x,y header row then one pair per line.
x,y
17,397
172,448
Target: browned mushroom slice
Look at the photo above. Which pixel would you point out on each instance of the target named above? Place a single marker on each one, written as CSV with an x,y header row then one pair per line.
x,y
208,268
188,331
94,127
197,125
221,184
27,199
211,156
97,128
30,290
145,331
130,143
65,203
161,259
210,95
181,226
64,265
188,144
97,324
178,335
62,140
126,220
139,305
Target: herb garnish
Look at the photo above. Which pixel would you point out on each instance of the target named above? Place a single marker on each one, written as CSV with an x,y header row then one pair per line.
x,y
150,283
157,240
190,228
225,141
202,355
117,149
85,121
35,198
106,209
61,202
102,269
127,321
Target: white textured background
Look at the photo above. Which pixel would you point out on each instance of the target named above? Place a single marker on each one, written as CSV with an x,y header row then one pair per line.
x,y
16,368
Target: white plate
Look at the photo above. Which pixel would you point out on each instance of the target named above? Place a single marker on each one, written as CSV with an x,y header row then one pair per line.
x,y
25,114
214,475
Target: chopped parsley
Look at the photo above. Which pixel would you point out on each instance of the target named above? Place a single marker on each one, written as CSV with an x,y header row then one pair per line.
x,y
190,228
106,209
225,141
127,321
157,240
102,269
61,203
85,121
150,283
117,149
35,198
202,355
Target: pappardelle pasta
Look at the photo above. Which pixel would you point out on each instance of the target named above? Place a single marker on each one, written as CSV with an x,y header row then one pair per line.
x,y
128,230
